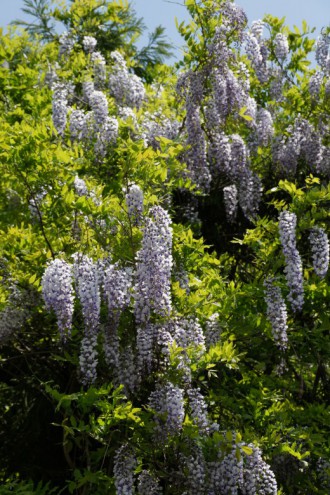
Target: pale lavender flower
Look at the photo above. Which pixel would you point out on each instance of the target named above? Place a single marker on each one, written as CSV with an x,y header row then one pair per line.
x,y
148,485
168,405
57,291
293,269
123,470
322,49
257,28
252,48
60,108
249,194
320,250
99,67
281,46
89,44
258,477
276,313
134,202
66,43
198,410
99,104
315,83
265,129
108,133
77,120
88,359
87,283
230,197
154,264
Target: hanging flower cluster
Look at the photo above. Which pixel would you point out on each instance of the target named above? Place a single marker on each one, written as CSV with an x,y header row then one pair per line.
x,y
293,269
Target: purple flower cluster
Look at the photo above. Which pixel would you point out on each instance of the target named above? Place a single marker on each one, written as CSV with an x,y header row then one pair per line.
x,y
66,43
249,194
148,485
276,313
258,477
126,88
99,69
320,250
57,291
265,129
198,410
293,269
168,405
153,270
281,47
322,50
89,44
60,108
230,197
134,201
123,470
87,287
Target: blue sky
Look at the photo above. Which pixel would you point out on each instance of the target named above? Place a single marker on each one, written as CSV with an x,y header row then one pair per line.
x,y
155,12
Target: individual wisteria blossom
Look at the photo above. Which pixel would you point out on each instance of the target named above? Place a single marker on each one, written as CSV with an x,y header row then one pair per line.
x,y
281,46
276,85
148,485
89,44
293,269
88,291
239,156
196,153
230,197
258,476
196,481
128,372
87,288
66,43
322,49
315,83
134,202
99,69
198,410
319,243
58,294
220,154
88,89
60,107
116,286
257,28
88,359
187,332
156,126
168,405
123,470
108,133
226,474
265,129
126,88
99,104
276,313
252,48
77,122
154,265
249,194
80,186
